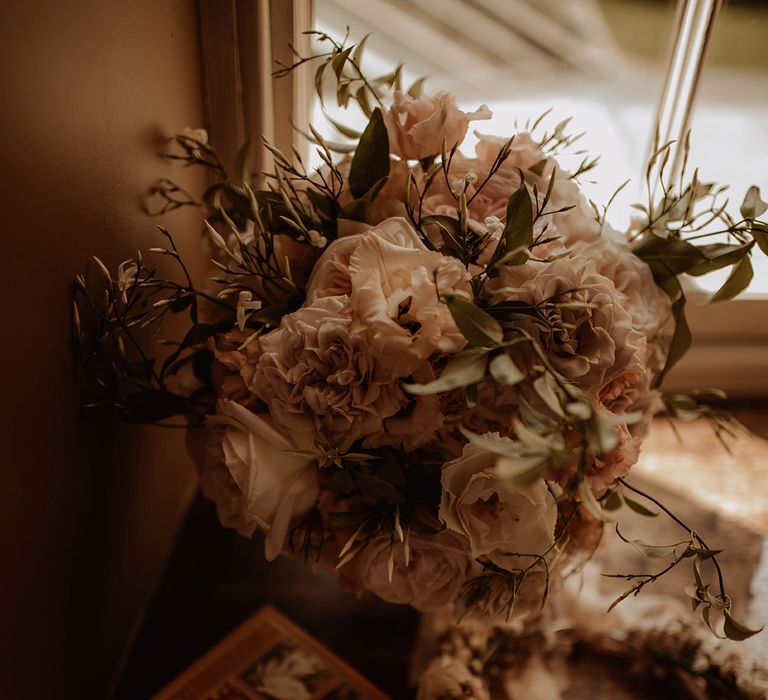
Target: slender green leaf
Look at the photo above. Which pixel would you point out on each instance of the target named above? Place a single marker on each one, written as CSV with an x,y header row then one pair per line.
x,y
465,368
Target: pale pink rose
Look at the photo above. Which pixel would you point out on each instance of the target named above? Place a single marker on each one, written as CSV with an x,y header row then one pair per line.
x,y
524,153
448,678
317,372
497,516
594,342
417,127
433,577
649,307
278,486
608,467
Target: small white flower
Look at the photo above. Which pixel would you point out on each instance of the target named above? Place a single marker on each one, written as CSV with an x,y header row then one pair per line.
x,y
493,224
197,135
316,239
470,177
126,277
245,304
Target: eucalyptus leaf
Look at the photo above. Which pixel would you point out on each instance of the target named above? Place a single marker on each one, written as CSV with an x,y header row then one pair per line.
x,y
505,371
417,88
720,255
760,234
753,206
681,338
739,279
639,508
735,630
589,501
464,368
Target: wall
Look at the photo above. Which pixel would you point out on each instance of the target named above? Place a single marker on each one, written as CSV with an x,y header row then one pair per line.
x,y
88,509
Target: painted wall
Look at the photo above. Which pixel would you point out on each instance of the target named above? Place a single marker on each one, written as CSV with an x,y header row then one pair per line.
x,y
89,91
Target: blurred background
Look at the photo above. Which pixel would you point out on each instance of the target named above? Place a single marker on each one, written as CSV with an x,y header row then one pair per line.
x,y
110,584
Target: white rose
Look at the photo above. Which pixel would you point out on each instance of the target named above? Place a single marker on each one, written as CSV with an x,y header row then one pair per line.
x,y
433,577
278,486
447,678
496,515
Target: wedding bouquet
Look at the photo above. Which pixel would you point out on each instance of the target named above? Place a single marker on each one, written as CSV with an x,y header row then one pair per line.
x,y
427,370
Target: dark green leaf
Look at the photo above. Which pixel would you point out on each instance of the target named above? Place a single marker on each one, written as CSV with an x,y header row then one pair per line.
x,y
358,210
478,327
739,279
518,228
199,333
371,160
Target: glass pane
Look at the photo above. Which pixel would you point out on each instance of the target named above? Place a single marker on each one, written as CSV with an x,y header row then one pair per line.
x,y
729,139
601,62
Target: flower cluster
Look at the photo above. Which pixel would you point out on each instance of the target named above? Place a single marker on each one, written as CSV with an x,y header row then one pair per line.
x,y
427,370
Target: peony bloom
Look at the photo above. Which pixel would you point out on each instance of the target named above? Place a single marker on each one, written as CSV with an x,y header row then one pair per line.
x,y
278,486
317,372
433,577
591,341
496,515
418,126
649,307
448,678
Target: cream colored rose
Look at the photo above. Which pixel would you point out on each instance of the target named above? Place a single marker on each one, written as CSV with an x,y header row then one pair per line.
x,y
498,517
278,486
447,678
417,127
317,371
591,340
394,284
396,295
433,577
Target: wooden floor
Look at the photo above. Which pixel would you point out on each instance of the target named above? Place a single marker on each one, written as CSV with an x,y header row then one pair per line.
x,y
215,578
